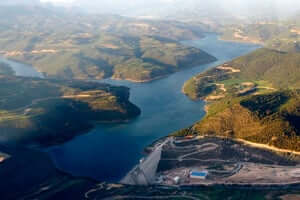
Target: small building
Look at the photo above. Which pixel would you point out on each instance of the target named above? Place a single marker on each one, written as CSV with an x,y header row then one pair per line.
x,y
199,175
189,137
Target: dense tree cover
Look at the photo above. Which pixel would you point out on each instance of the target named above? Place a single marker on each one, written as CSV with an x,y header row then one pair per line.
x,y
264,67
268,112
51,111
280,69
283,35
65,45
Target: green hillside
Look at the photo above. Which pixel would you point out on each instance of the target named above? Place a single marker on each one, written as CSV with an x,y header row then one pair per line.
x,y
263,69
51,111
255,32
280,69
255,97
280,35
65,45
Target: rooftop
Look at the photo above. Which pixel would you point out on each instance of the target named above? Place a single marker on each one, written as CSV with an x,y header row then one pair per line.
x,y
201,174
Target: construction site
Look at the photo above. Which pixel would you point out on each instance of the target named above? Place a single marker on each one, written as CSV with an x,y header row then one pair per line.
x,y
210,161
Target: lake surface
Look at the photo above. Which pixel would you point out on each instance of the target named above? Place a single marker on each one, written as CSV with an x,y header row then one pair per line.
x,y
109,151
22,69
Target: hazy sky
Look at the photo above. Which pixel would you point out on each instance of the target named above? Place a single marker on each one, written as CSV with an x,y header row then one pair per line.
x,y
202,1
171,7
228,4
58,1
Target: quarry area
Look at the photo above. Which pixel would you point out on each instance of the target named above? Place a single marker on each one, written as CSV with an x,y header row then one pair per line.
x,y
208,161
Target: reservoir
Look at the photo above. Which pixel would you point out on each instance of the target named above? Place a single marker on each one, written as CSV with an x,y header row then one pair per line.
x,y
109,151
22,69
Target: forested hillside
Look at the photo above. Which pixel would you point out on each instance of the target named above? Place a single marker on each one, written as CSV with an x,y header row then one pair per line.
x,y
282,35
67,45
255,97
51,111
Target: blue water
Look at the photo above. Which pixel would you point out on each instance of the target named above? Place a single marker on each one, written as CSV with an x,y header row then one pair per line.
x,y
109,151
22,69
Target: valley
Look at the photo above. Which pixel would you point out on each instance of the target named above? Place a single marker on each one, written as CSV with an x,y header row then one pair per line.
x,y
185,103
159,101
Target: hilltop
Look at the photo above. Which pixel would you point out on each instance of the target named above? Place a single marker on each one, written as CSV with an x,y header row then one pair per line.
x,y
254,97
52,111
282,35
78,46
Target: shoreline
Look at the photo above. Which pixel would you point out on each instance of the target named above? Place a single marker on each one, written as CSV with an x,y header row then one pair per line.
x,y
245,142
162,76
140,81
240,41
62,140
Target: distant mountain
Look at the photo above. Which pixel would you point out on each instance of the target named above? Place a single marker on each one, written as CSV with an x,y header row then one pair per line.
x,y
19,2
195,9
282,35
